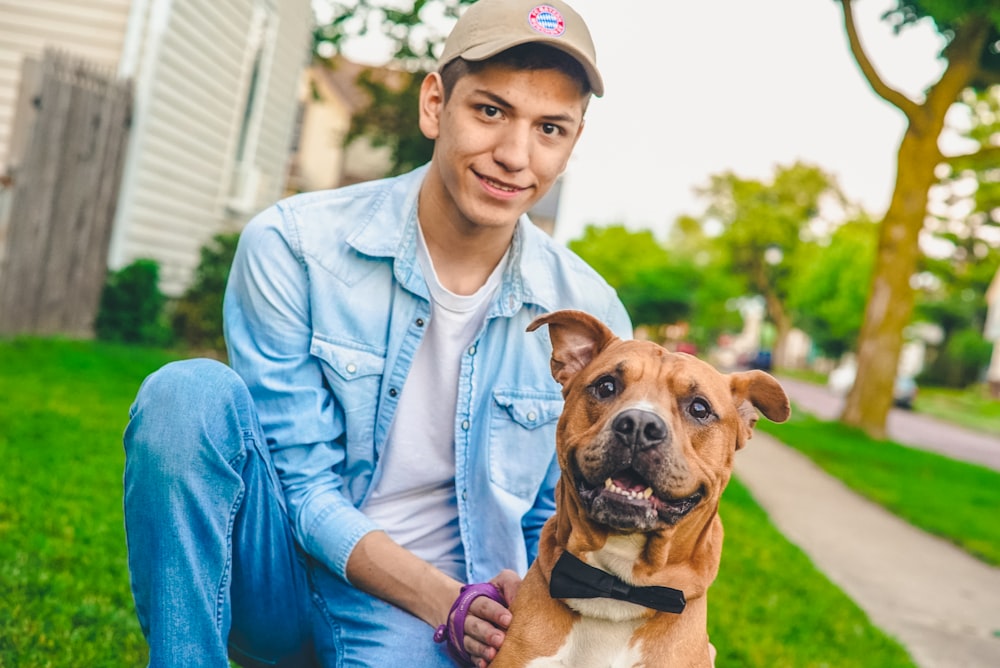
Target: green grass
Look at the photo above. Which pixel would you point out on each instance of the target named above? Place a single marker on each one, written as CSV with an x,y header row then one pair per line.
x,y
951,499
972,408
63,573
65,598
771,607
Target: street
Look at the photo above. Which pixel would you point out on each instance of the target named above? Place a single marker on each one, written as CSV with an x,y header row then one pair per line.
x,y
904,426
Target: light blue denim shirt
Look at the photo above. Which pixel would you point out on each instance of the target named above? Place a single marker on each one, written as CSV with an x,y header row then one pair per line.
x,y
325,308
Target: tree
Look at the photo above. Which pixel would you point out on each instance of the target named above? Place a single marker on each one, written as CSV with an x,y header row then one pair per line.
x,y
653,288
965,218
388,119
661,287
764,226
972,28
829,284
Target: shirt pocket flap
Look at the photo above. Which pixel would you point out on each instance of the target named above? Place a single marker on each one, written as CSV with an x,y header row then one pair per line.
x,y
348,362
529,410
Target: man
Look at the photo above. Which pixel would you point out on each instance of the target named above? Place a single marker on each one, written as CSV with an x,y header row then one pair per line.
x,y
388,433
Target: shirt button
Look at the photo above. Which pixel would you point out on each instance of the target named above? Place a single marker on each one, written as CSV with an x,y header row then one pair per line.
x,y
393,392
351,368
465,495
420,322
532,417
465,425
472,350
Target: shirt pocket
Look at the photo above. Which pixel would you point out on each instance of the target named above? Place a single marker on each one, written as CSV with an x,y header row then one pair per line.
x,y
522,439
355,378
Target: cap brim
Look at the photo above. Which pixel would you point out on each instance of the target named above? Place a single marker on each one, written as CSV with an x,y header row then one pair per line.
x,y
490,49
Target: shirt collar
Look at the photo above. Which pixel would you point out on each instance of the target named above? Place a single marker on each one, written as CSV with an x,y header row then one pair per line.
x,y
527,278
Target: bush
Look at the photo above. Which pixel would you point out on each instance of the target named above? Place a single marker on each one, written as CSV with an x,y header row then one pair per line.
x,y
961,361
197,318
131,307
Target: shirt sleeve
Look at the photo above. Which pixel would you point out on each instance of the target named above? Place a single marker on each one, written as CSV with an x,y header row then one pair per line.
x,y
544,506
268,330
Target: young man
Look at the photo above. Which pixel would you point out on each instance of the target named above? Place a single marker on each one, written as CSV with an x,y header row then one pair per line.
x,y
386,430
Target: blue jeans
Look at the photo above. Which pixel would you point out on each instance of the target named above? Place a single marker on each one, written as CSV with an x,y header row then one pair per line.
x,y
214,567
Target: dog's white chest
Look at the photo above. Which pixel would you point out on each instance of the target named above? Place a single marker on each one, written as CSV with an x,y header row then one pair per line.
x,y
596,643
602,637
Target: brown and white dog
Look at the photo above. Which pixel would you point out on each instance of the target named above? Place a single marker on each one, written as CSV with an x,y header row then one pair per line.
x,y
646,443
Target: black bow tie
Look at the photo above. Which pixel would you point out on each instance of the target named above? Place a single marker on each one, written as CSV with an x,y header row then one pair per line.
x,y
571,578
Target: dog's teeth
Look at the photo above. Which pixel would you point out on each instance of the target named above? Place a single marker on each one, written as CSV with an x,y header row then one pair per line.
x,y
608,484
648,492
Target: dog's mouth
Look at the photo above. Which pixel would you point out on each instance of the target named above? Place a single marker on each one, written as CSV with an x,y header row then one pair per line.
x,y
626,501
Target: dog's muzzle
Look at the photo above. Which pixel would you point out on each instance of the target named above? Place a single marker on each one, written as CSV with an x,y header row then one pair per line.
x,y
621,491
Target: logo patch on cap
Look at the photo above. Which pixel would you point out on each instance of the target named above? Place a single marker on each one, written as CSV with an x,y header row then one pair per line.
x,y
547,20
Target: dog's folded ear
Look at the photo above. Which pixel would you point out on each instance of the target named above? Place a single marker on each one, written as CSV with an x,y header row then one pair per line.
x,y
758,391
576,337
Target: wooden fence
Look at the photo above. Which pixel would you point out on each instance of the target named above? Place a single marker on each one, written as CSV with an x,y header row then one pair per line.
x,y
53,255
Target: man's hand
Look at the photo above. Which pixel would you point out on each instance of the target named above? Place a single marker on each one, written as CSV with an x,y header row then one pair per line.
x,y
487,623
380,567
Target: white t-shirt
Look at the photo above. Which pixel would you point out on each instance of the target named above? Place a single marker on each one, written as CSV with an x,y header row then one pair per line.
x,y
413,498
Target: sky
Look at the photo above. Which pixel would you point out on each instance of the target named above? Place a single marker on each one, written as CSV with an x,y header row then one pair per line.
x,y
700,87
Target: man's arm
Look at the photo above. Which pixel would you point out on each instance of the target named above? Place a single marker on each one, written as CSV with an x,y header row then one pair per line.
x,y
269,335
381,567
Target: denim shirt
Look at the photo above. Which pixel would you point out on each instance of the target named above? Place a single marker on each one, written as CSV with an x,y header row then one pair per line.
x,y
325,308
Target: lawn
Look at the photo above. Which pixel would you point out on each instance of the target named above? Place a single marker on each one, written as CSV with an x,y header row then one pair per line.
x,y
972,408
63,573
951,499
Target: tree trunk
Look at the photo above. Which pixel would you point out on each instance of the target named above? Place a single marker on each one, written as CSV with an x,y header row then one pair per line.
x,y
890,297
782,325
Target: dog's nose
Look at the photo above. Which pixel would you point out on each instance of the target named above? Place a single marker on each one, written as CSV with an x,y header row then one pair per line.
x,y
639,430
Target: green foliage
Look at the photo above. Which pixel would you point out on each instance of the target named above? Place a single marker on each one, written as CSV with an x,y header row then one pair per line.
x,y
754,234
414,49
389,119
618,254
961,361
197,316
131,307
764,225
948,498
829,286
637,267
948,15
660,287
634,264
955,298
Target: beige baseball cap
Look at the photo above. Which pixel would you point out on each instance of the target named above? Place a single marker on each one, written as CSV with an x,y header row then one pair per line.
x,y
490,26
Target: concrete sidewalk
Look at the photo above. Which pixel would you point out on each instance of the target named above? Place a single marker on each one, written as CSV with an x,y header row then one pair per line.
x,y
940,603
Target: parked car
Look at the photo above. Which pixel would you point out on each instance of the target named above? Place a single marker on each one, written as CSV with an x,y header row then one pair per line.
x,y
756,359
841,380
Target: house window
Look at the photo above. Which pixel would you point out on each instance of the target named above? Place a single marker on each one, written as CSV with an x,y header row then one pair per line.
x,y
258,57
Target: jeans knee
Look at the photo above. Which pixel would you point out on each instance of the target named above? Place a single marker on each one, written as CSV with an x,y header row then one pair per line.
x,y
188,383
185,405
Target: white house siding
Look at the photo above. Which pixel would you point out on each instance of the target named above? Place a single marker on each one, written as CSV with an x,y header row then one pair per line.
x,y
291,56
94,29
191,96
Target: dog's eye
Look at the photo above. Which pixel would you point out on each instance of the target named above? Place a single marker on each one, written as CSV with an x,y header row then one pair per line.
x,y
699,409
605,387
